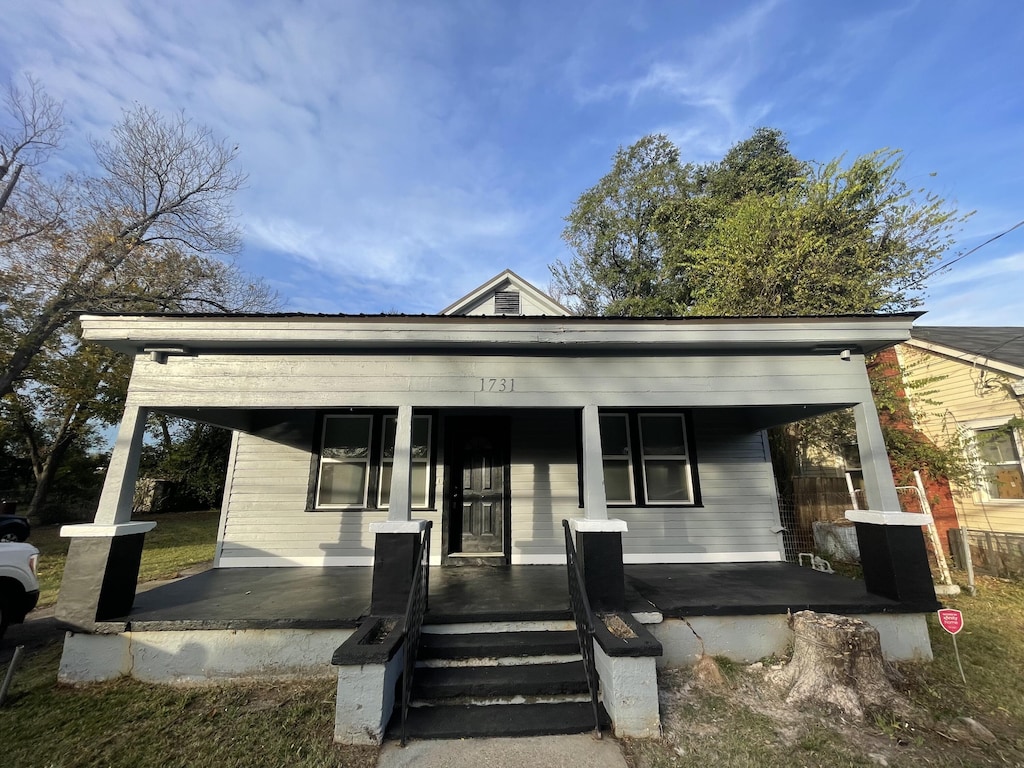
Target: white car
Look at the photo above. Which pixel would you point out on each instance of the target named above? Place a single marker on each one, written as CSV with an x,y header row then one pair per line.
x,y
19,587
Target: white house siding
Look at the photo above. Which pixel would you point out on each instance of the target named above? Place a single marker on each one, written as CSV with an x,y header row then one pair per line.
x,y
739,503
965,396
266,522
265,518
545,483
438,380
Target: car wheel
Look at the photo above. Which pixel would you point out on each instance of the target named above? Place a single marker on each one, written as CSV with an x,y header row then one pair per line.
x,y
3,619
9,536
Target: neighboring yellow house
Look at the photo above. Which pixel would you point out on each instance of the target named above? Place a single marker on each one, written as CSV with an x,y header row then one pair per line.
x,y
978,393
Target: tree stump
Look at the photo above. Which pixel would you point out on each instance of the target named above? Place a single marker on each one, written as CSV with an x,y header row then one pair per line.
x,y
837,662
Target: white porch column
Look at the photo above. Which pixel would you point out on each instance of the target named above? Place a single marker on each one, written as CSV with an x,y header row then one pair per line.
x,y
879,488
400,503
115,504
595,502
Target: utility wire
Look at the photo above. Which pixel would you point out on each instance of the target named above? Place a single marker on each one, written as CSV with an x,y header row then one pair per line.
x,y
968,253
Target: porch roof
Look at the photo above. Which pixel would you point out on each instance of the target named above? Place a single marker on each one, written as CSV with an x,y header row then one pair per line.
x,y
136,333
302,597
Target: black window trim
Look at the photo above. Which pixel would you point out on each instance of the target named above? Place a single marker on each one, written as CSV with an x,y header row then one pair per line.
x,y
636,458
375,462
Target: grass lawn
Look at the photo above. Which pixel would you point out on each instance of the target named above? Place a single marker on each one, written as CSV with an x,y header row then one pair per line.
x,y
180,539
127,723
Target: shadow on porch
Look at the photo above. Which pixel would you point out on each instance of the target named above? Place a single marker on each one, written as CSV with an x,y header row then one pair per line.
x,y
339,597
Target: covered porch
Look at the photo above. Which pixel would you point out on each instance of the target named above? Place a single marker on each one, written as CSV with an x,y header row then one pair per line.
x,y
322,598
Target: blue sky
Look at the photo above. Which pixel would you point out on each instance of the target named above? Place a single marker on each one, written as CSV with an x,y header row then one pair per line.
x,y
401,153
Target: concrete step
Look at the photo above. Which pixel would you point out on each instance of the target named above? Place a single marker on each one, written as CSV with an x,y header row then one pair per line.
x,y
527,680
482,645
510,720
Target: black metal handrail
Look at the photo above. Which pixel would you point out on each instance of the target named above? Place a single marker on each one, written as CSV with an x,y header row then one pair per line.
x,y
414,610
584,617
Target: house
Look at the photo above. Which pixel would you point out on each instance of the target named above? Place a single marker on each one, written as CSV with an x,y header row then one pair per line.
x,y
365,445
975,393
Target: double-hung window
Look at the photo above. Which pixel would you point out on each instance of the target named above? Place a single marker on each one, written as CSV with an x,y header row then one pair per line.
x,y
420,460
344,461
647,459
357,454
1000,455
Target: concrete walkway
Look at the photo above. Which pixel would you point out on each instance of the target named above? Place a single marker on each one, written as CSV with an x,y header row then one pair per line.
x,y
579,751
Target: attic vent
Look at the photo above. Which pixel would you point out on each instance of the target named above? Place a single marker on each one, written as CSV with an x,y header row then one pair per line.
x,y
506,302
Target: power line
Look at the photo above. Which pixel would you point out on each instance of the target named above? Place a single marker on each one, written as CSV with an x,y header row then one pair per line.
x,y
968,253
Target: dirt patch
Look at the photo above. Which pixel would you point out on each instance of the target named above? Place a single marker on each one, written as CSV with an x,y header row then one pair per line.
x,y
746,721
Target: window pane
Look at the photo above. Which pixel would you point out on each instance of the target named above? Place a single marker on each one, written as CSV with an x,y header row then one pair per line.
x,y
662,435
996,446
1004,482
666,480
347,437
617,485
342,483
614,435
420,437
419,484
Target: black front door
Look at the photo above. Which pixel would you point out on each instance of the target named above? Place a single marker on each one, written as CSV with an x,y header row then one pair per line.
x,y
477,459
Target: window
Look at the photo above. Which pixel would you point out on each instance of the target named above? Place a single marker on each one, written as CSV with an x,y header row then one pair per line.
x,y
646,457
1002,472
615,450
344,461
420,460
355,468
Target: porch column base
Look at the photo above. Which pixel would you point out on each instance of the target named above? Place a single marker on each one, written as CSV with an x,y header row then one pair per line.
x,y
395,559
101,573
599,545
893,555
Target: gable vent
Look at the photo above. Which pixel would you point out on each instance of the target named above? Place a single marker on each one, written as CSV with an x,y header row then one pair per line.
x,y
506,302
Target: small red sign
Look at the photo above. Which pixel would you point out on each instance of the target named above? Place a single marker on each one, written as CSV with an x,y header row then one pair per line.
x,y
951,620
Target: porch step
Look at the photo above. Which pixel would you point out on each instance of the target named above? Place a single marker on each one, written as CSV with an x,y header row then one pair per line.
x,y
497,645
463,721
530,682
527,680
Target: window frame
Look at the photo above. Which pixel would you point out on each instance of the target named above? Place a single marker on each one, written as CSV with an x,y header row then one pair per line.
x,y
983,465
427,461
637,459
371,499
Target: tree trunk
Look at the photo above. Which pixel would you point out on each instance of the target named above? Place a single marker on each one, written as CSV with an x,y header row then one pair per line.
x,y
45,478
837,663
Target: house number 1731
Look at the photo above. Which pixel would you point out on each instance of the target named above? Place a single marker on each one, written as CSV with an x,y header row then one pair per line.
x,y
497,385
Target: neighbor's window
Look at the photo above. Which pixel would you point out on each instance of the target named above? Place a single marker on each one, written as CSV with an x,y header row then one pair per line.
x,y
420,460
999,451
646,457
344,461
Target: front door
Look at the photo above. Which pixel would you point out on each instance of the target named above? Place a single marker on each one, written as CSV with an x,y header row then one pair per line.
x,y
478,504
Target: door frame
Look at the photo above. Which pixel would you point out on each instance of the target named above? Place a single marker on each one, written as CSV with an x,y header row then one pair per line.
x,y
454,424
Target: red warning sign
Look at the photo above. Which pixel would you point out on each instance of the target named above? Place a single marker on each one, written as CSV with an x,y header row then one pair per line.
x,y
951,620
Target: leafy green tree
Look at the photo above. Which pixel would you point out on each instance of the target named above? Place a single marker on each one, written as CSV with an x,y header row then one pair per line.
x,y
614,233
839,240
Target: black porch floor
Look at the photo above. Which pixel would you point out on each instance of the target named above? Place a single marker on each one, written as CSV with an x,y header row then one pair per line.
x,y
303,597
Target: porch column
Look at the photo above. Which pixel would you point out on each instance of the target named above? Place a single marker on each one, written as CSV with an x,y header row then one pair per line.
x,y
396,542
102,568
879,488
598,539
595,502
400,503
892,551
